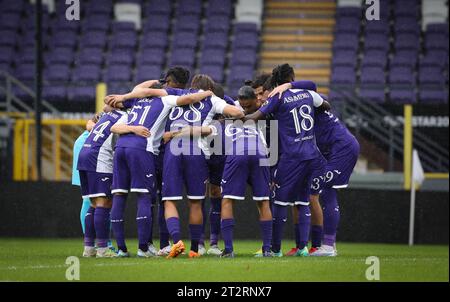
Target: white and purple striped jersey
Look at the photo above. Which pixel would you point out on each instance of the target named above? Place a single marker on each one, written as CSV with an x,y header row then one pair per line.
x,y
151,113
295,114
96,155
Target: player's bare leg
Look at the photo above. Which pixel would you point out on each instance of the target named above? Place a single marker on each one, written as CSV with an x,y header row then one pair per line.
x,y
265,222
214,218
173,225
102,226
195,226
316,222
227,224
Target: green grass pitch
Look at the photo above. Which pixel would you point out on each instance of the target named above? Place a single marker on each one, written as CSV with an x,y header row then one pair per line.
x,y
44,260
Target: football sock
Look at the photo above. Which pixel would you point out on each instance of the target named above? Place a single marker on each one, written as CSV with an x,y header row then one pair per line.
x,y
173,225
117,221
214,218
304,224
279,220
84,208
89,234
202,234
266,231
227,234
297,235
196,231
102,225
152,209
331,216
163,231
316,235
144,220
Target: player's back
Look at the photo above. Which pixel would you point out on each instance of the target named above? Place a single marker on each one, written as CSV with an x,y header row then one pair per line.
x,y
97,151
295,115
243,139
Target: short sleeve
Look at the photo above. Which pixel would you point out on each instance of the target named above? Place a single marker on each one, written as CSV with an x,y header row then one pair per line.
x,y
218,104
271,106
317,99
123,119
170,100
308,85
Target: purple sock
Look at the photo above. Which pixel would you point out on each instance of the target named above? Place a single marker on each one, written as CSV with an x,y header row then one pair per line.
x,y
227,234
117,221
279,220
266,230
152,208
163,231
316,235
144,220
202,234
214,218
304,224
102,226
89,231
196,232
331,215
173,225
297,235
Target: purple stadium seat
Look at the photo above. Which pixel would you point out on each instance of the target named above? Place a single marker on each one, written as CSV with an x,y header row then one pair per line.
x,y
239,74
338,96
126,40
433,96
120,56
6,66
374,58
348,11
6,54
151,56
343,75
189,7
436,41
84,93
245,40
117,88
370,93
407,25
378,27
95,39
86,73
213,56
96,23
123,27
219,8
27,40
158,7
147,72
57,73
91,55
217,24
99,7
245,27
372,75
13,6
406,41
157,23
66,39
406,8
54,93
376,41
401,75
29,23
62,24
183,57
117,73
10,21
349,25
406,58
243,57
188,23
25,72
400,95
215,40
346,42
435,58
61,55
25,56
344,58
431,76
154,40
437,28
8,38
214,71
185,40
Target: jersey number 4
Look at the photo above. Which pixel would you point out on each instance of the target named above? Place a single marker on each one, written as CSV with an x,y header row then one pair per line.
x,y
307,121
98,131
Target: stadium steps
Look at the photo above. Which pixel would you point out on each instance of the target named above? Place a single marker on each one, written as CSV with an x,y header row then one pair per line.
x,y
301,34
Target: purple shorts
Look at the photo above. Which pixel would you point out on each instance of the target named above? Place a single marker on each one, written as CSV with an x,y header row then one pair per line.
x,y
296,179
94,184
242,169
179,171
216,164
134,171
340,166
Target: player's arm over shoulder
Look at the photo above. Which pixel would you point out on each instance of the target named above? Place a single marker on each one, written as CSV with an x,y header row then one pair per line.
x,y
319,102
222,107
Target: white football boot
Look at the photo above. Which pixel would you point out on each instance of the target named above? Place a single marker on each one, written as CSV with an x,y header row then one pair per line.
x,y
105,252
89,251
152,249
201,249
147,254
214,250
324,251
164,251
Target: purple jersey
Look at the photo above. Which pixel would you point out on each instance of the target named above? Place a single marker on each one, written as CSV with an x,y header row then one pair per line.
x,y
151,113
97,152
295,115
243,139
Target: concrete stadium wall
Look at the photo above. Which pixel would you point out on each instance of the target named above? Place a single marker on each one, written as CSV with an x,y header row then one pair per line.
x,y
51,209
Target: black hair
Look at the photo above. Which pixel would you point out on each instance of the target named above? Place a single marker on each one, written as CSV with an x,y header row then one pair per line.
x,y
157,86
268,84
218,90
248,82
260,80
179,74
246,93
282,74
